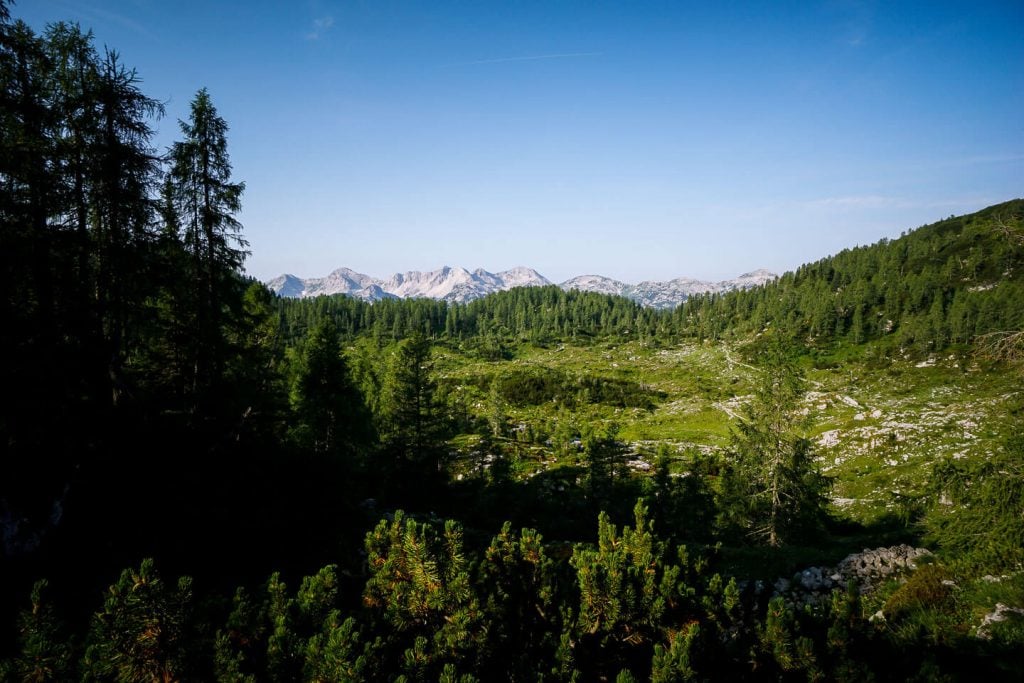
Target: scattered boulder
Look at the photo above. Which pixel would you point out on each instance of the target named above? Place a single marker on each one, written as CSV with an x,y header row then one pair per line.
x,y
871,566
1000,613
867,569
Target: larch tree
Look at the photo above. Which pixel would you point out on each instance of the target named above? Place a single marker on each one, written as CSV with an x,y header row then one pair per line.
x,y
774,491
123,211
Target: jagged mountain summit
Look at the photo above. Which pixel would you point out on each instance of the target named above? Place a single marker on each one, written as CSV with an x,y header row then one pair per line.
x,y
672,293
596,283
461,285
448,284
666,294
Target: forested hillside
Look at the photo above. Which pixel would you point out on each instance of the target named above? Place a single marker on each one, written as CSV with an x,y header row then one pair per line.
x,y
538,314
537,485
941,284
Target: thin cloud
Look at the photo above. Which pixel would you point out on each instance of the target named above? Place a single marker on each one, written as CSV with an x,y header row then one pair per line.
x,y
985,159
99,16
320,27
873,202
529,58
857,25
856,202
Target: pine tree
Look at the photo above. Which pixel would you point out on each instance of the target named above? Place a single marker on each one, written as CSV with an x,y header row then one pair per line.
x,y
46,653
420,592
625,590
673,664
603,455
142,633
336,654
520,616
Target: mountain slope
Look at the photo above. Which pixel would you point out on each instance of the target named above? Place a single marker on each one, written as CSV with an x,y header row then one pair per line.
x,y
944,283
596,283
672,293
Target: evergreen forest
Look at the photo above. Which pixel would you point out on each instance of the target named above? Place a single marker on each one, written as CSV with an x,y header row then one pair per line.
x,y
821,478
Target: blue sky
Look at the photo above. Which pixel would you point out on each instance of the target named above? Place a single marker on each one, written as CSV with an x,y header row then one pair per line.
x,y
637,140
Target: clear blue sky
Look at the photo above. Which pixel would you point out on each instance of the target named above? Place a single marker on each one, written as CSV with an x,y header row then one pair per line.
x,y
638,140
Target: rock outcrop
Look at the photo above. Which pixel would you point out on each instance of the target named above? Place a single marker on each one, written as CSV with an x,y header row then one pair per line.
x,y
867,569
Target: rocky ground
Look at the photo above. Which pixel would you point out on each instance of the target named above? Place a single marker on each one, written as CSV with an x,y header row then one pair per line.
x,y
866,569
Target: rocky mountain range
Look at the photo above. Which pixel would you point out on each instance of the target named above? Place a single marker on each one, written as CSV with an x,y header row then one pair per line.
x,y
665,294
461,285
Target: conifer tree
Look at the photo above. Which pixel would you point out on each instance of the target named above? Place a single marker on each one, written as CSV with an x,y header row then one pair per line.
x,y
76,168
122,213
142,633
420,592
329,410
39,365
603,454
46,654
206,202
520,615
773,491
625,590
336,654
978,506
673,664
409,420
683,507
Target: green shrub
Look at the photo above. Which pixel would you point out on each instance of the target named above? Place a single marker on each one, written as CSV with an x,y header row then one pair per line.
x,y
924,590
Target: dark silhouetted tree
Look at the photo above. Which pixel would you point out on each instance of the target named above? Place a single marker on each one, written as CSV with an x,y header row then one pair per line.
x,y
205,203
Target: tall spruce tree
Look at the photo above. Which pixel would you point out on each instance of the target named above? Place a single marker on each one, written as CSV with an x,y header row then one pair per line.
x,y
37,360
329,411
205,204
411,427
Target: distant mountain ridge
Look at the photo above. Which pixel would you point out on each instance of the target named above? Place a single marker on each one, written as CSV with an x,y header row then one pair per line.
x,y
666,294
447,284
461,285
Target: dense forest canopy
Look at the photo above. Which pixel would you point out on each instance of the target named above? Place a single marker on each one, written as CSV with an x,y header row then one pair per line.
x,y
941,284
167,414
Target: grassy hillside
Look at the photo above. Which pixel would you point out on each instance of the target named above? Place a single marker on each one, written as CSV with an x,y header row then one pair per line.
x,y
877,426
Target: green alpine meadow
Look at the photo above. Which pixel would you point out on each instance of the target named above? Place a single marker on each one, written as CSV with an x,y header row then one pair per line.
x,y
818,478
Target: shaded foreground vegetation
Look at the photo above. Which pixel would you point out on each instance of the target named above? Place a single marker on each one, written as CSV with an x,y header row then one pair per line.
x,y
421,481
